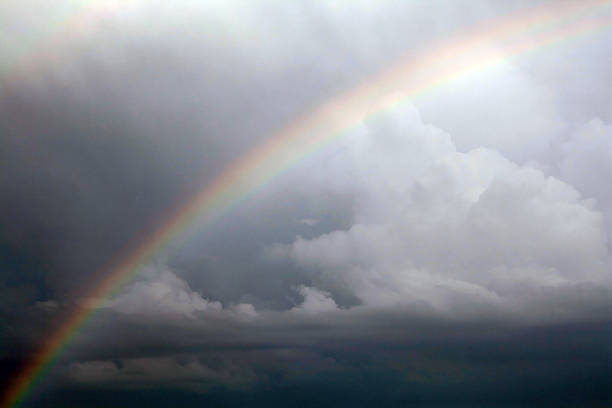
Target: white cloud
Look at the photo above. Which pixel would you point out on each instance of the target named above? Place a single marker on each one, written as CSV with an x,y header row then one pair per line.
x,y
244,309
315,301
163,293
448,231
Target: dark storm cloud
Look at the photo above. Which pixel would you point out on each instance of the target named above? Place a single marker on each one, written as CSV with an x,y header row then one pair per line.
x,y
90,164
110,132
99,142
392,358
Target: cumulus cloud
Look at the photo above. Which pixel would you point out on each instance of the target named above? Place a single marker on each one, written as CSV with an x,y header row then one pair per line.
x,y
450,231
163,293
315,301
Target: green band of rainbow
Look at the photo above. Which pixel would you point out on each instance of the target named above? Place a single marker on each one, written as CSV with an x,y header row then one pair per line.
x,y
440,65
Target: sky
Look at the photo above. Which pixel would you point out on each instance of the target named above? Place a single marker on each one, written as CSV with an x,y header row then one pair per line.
x,y
453,249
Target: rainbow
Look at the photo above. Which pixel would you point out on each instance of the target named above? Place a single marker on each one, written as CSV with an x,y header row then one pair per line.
x,y
449,60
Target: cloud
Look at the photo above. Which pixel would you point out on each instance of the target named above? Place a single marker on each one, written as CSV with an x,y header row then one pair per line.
x,y
315,301
186,371
454,232
308,221
501,108
586,161
163,294
49,306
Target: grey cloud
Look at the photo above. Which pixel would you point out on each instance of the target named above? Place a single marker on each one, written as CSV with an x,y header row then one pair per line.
x,y
519,120
586,161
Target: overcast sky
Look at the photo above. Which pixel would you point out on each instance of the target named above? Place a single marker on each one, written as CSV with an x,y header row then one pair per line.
x,y
452,251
